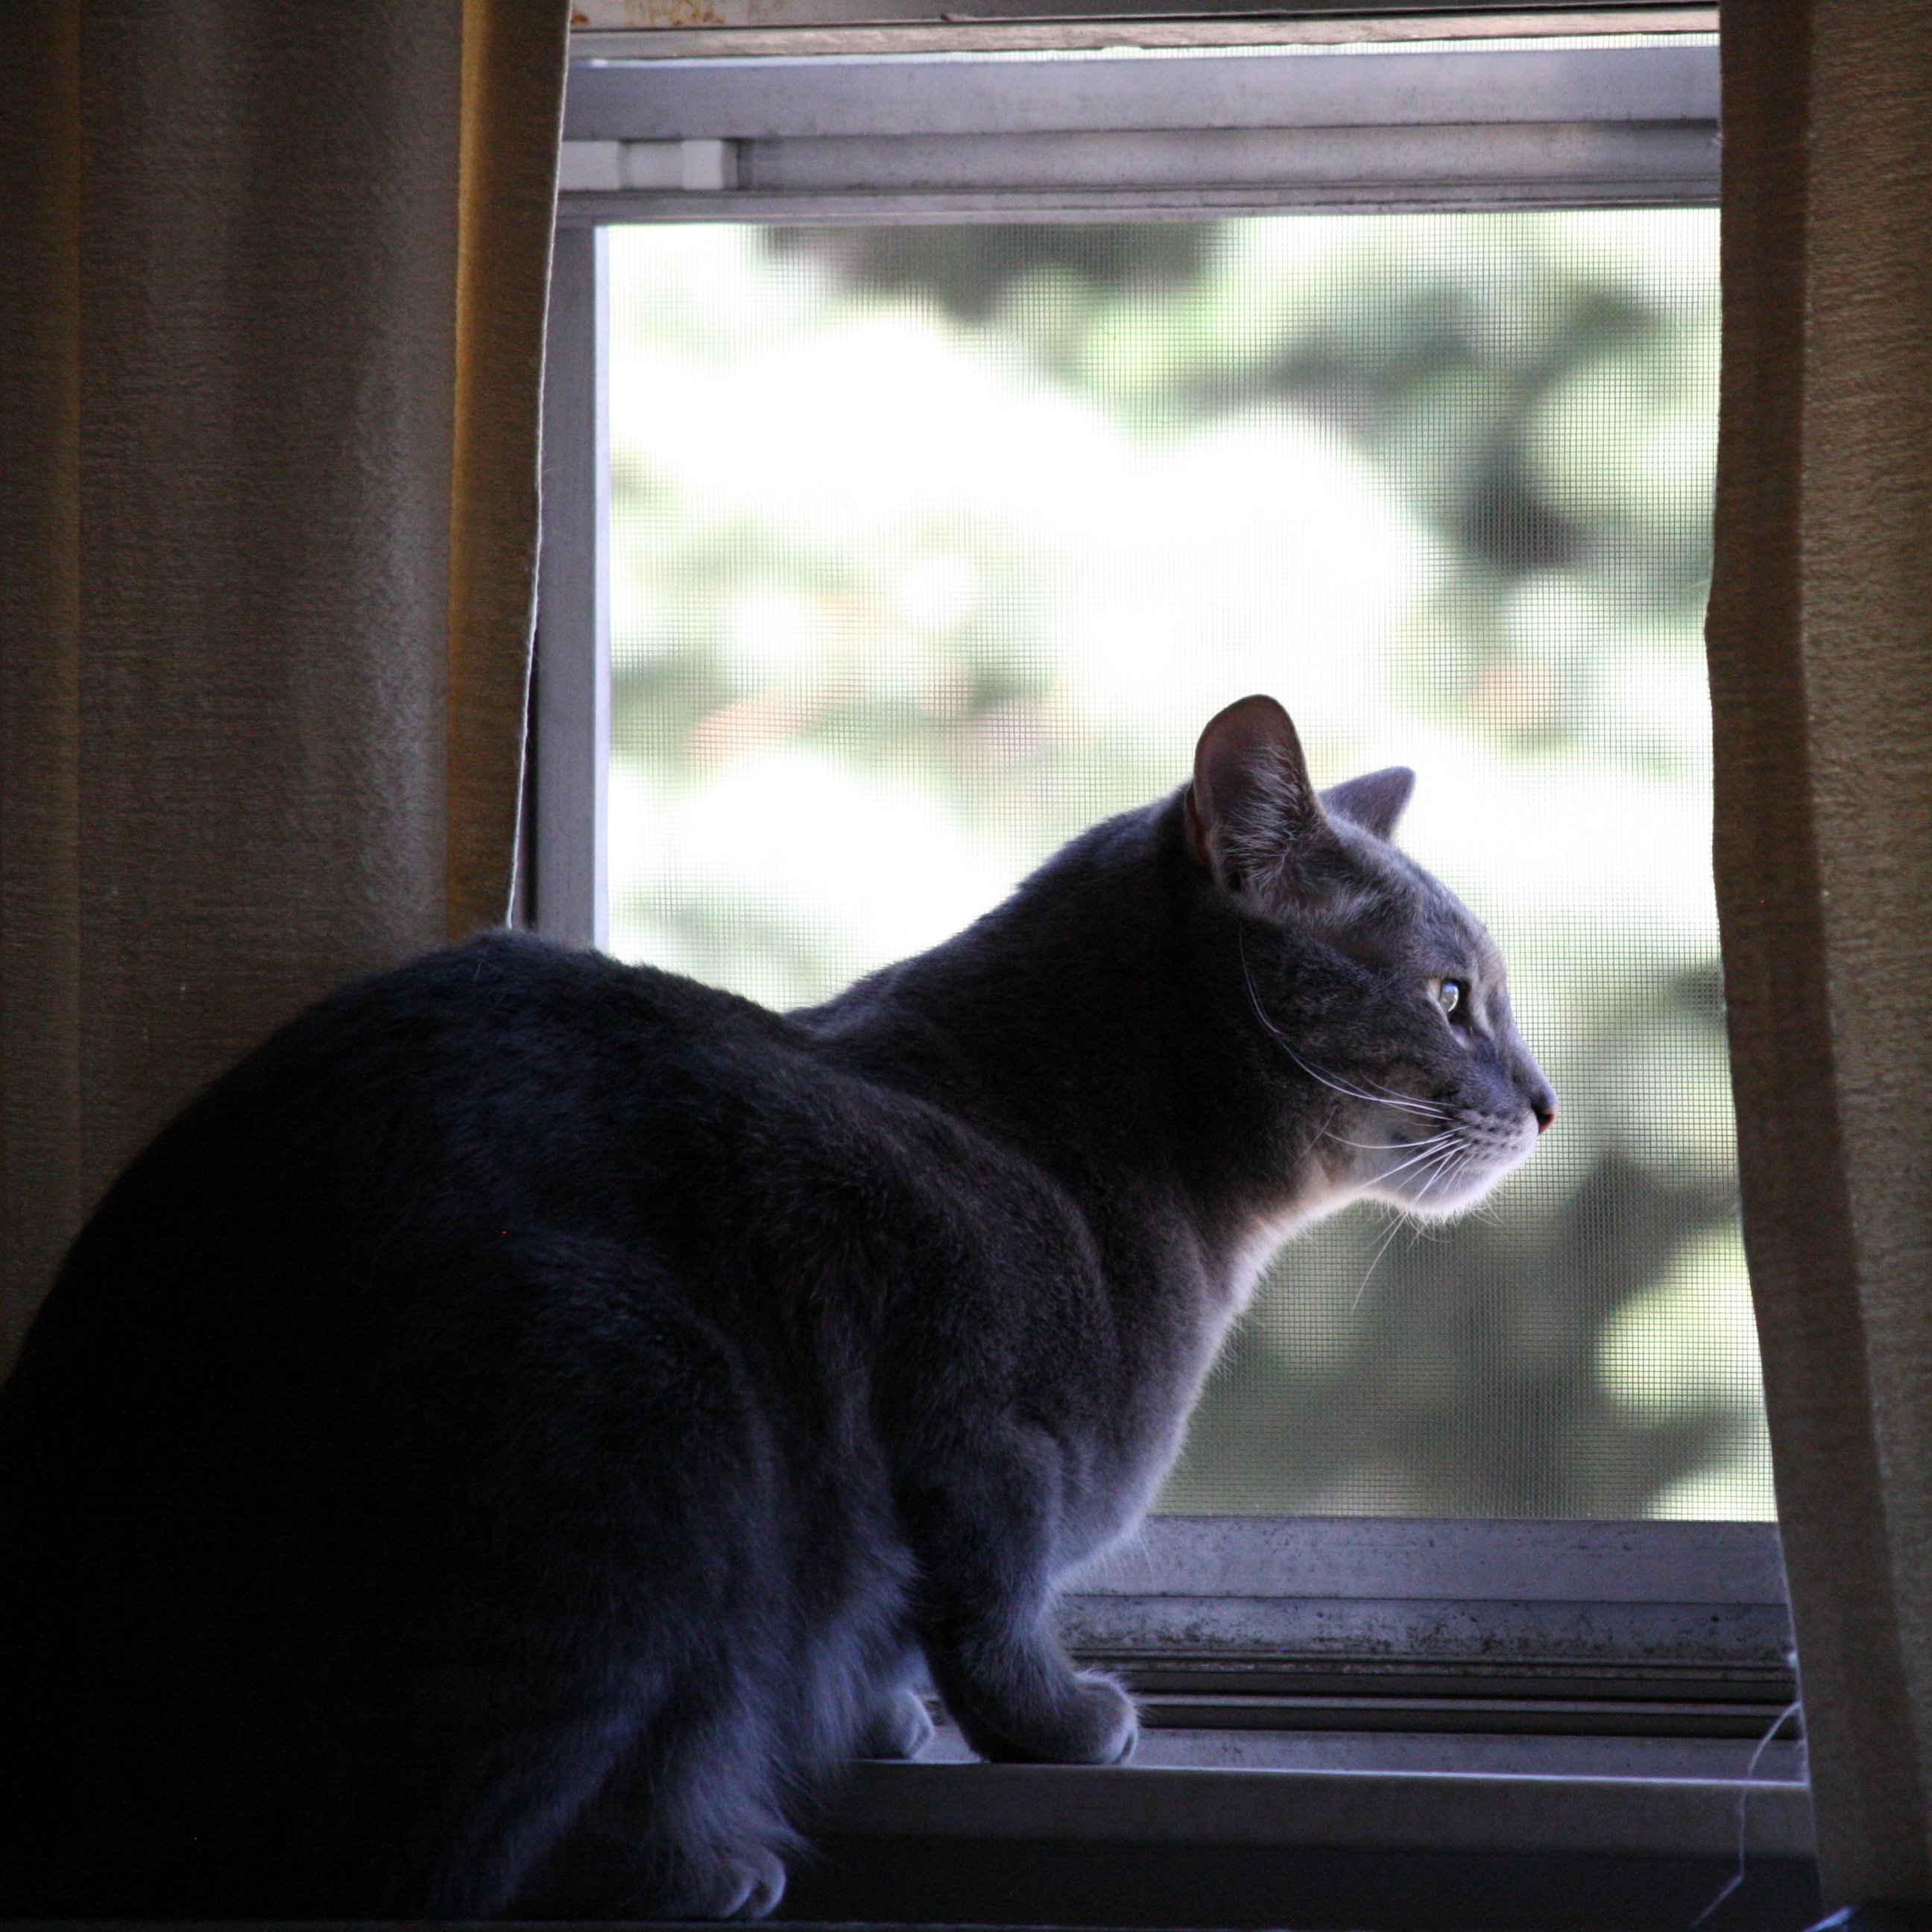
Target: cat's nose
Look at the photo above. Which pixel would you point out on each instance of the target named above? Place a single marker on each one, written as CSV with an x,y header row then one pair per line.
x,y
1542,1105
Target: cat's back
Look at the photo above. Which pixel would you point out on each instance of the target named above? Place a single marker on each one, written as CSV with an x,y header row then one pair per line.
x,y
353,1186
506,1072
335,1186
505,1033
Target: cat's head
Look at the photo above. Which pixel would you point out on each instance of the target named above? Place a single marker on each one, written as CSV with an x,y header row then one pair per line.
x,y
1371,991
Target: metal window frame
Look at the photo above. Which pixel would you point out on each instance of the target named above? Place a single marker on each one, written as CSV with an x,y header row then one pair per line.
x,y
567,888
661,28
1454,1629
1470,1671
1133,133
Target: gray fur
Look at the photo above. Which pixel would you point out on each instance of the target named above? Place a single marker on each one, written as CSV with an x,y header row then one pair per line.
x,y
507,1441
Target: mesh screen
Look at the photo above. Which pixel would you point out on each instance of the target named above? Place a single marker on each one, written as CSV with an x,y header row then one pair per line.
x,y
933,545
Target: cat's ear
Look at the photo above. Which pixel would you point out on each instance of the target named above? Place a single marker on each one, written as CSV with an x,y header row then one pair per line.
x,y
1251,799
1374,801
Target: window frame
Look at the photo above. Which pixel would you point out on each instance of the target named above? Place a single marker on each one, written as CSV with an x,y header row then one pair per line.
x,y
1655,1653
1129,134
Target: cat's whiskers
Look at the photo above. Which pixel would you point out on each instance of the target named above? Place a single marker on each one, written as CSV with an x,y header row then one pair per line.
x,y
1443,1159
1435,1164
1382,1248
1427,1112
1334,1086
1381,1092
1387,1100
1486,1210
1431,1150
1454,1164
1390,1147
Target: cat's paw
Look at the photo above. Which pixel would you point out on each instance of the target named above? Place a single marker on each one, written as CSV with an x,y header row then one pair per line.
x,y
898,1728
1108,1727
1096,1723
745,1884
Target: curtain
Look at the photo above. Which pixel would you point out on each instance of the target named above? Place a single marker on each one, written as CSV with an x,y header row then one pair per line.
x,y
1820,641
273,289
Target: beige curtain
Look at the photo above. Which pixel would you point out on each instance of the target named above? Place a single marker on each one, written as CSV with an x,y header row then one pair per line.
x,y
271,287
1820,640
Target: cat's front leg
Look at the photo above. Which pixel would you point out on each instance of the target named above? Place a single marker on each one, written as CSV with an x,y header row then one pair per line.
x,y
897,1727
1018,1699
985,1620
1038,1709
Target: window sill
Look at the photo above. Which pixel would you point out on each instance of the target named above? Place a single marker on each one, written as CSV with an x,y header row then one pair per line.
x,y
1357,1842
1704,1760
1169,1844
1250,1804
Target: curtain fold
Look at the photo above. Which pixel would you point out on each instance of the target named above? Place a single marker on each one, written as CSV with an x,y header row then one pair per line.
x,y
40,523
270,533
1820,644
513,74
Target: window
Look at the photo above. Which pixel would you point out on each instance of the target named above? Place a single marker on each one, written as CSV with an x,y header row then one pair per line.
x,y
974,425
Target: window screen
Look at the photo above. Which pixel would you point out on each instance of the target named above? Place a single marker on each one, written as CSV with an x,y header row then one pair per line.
x,y
933,544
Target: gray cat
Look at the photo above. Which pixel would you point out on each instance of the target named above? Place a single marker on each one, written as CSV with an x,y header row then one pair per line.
x,y
506,1441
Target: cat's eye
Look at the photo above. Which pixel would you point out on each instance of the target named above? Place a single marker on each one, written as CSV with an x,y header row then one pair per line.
x,y
1449,994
